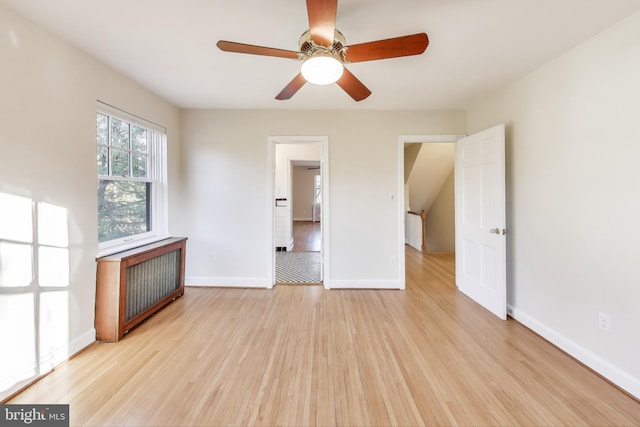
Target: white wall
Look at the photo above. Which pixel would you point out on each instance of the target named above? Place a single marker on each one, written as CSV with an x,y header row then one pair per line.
x,y
225,165
47,154
285,153
432,167
440,222
303,192
573,182
411,151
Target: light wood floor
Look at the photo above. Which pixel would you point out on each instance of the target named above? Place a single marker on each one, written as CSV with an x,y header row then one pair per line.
x,y
306,236
306,356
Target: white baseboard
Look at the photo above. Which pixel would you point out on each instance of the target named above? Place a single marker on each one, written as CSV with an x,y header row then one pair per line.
x,y
227,282
48,361
362,284
259,282
304,219
82,342
611,372
56,356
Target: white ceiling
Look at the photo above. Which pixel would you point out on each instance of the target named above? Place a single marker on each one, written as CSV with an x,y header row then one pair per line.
x,y
475,46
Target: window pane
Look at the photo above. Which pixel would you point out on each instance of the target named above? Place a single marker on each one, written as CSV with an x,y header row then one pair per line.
x,y
317,190
139,139
103,164
102,125
139,163
119,133
123,209
119,162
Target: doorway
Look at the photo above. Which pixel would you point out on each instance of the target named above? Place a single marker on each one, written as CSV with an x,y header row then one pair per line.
x,y
403,175
429,196
298,203
480,214
306,202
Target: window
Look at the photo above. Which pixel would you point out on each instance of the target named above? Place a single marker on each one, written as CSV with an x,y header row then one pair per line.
x,y
131,170
317,189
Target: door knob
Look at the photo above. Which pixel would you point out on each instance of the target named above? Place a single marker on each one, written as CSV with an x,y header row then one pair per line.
x,y
494,230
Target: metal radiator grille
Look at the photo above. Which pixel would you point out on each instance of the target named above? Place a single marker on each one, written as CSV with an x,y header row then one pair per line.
x,y
150,281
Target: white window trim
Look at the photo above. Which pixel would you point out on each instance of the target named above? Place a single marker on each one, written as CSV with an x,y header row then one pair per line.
x,y
159,189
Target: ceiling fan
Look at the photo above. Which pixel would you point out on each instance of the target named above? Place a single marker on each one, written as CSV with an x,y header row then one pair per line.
x,y
324,52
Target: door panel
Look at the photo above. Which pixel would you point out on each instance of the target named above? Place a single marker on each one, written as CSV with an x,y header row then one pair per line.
x,y
481,219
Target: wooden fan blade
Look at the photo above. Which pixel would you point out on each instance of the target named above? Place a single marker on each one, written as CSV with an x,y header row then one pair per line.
x,y
353,86
255,50
291,89
390,48
322,20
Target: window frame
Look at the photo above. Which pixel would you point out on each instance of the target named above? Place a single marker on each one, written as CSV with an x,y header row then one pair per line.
x,y
317,189
156,175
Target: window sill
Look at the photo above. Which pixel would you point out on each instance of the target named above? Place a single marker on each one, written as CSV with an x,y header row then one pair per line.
x,y
129,245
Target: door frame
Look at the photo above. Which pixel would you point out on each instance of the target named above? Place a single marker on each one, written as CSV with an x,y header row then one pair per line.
x,y
402,140
323,141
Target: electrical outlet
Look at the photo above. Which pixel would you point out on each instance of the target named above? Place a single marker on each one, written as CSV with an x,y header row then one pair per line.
x,y
604,322
394,260
214,257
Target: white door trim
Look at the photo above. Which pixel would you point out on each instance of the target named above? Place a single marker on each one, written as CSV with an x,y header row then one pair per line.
x,y
324,209
402,139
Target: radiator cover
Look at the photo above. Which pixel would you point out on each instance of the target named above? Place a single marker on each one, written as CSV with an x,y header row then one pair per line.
x,y
134,284
151,281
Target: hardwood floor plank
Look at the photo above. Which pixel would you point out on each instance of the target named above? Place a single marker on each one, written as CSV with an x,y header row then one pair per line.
x,y
298,355
306,236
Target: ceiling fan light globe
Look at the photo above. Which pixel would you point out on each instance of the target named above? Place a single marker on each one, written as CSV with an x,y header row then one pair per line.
x,y
322,70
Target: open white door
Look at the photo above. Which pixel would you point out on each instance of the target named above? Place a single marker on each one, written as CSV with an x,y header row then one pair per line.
x,y
480,219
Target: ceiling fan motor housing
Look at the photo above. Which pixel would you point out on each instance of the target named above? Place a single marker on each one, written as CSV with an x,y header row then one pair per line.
x,y
308,48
